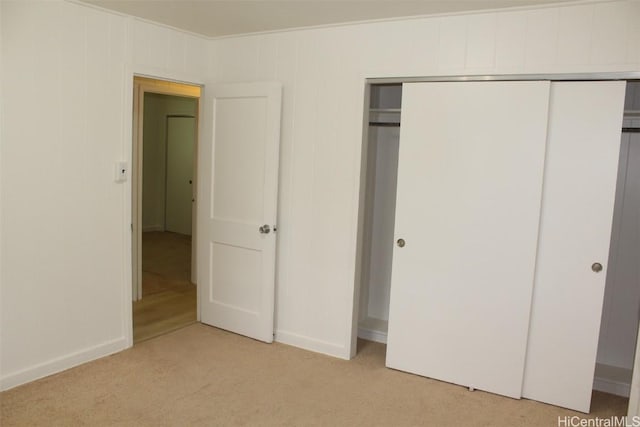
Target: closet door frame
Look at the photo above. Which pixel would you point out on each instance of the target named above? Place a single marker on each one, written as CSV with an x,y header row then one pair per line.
x,y
634,399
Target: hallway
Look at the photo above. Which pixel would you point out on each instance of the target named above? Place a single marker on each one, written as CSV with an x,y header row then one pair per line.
x,y
169,298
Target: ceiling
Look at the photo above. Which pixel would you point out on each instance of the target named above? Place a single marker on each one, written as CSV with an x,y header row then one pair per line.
x,y
223,18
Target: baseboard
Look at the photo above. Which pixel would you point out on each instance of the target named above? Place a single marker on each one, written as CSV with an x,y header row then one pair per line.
x,y
611,386
373,329
372,335
312,344
612,379
62,363
148,228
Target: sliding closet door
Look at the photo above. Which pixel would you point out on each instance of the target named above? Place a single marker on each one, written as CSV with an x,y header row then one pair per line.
x,y
468,204
575,229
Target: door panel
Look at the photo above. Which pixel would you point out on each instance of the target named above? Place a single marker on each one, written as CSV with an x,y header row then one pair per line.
x,y
468,203
575,229
239,159
181,135
239,195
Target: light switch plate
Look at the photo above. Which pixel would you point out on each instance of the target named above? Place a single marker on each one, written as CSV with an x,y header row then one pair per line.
x,y
122,171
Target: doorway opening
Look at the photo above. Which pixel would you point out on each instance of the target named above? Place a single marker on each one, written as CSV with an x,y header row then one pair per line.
x,y
165,120
616,354
621,308
382,142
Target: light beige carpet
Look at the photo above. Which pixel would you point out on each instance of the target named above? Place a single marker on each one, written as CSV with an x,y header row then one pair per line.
x,y
202,376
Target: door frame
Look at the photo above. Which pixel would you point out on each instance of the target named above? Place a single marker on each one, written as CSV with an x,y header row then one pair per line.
x,y
130,72
141,86
360,261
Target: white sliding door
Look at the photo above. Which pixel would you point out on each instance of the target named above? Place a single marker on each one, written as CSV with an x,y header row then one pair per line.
x,y
575,229
238,204
468,203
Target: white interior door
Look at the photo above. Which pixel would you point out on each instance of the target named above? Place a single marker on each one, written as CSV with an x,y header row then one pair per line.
x,y
181,136
575,229
468,204
238,201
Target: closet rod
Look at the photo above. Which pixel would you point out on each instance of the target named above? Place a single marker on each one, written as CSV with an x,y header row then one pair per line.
x,y
630,130
384,124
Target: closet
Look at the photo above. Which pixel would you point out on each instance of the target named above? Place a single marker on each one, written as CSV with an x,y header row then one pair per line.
x,y
383,135
621,311
486,226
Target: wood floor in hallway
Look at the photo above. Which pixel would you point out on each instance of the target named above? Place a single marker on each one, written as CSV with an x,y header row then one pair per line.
x,y
168,296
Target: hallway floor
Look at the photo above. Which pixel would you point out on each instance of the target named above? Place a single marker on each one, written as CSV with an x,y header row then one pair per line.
x,y
168,296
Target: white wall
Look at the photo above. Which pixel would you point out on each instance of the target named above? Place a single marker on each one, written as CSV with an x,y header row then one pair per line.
x,y
156,109
65,247
1,163
323,72
153,163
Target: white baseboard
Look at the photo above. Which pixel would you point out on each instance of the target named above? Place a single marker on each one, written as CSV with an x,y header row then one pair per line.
x,y
371,335
373,329
606,385
612,379
312,344
62,363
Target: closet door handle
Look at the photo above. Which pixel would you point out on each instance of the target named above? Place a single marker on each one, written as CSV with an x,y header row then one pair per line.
x,y
400,243
264,229
596,267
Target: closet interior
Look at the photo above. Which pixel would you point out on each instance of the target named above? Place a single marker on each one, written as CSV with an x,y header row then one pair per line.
x,y
383,136
621,308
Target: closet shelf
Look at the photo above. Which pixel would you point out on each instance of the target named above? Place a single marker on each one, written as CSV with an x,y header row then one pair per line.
x,y
631,113
384,117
